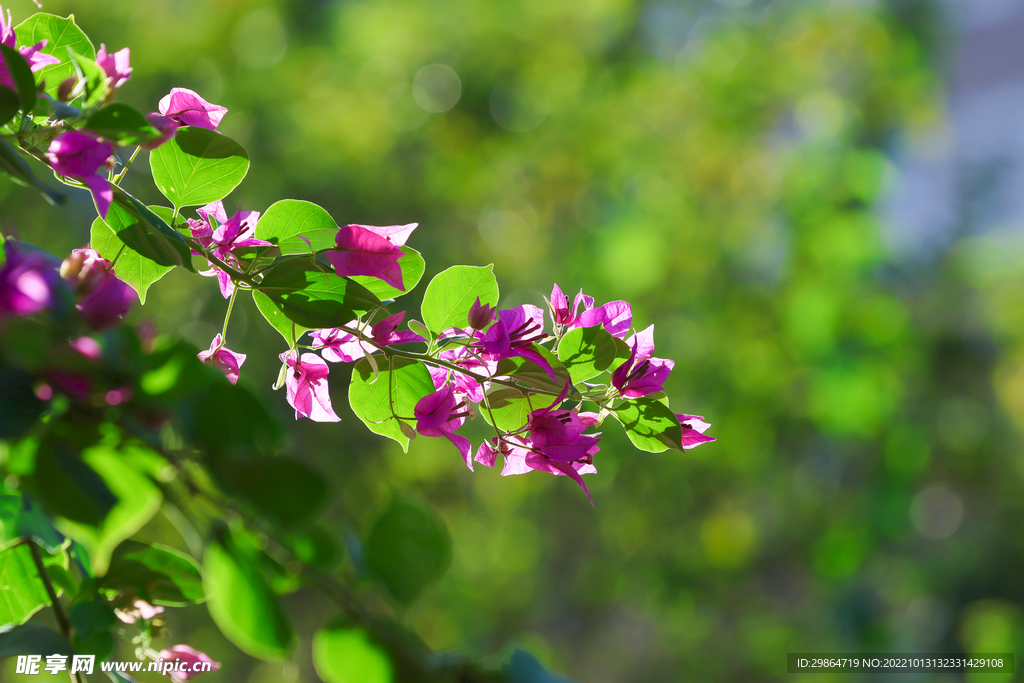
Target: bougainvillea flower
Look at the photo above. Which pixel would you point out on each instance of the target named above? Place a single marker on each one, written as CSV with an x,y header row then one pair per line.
x,y
164,125
223,358
103,298
226,234
555,443
306,384
140,609
642,374
84,270
81,156
616,316
480,315
107,303
87,347
27,280
189,109
514,334
558,435
192,662
370,250
694,427
384,332
341,346
521,457
471,360
116,65
36,59
440,414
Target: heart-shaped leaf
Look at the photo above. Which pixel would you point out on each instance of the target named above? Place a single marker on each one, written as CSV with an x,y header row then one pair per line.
x,y
198,166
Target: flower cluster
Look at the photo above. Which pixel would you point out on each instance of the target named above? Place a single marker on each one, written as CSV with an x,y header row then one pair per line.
x,y
545,389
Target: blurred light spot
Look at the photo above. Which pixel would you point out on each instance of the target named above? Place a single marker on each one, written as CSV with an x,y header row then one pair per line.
x,y
436,88
924,621
866,172
118,396
512,234
260,39
907,451
962,423
632,258
518,107
937,512
840,552
821,114
400,110
728,538
44,392
991,626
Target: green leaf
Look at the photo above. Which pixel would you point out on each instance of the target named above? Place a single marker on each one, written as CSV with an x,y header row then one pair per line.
x,y
409,381
147,233
17,169
156,573
589,351
286,489
523,667
10,514
22,590
451,293
9,104
138,499
92,620
134,268
242,605
349,655
408,548
24,81
510,407
278,320
32,639
305,294
650,425
288,220
198,166
95,79
412,264
123,125
59,34
68,487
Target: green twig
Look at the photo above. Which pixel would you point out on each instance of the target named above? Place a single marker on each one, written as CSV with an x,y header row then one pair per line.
x,y
58,609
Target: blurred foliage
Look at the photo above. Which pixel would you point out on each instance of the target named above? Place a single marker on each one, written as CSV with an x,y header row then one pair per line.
x,y
720,167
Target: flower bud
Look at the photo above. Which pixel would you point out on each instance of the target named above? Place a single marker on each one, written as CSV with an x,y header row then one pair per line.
x,y
85,271
480,315
66,87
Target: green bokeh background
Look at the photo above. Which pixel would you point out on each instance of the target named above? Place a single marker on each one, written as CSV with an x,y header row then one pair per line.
x,y
720,167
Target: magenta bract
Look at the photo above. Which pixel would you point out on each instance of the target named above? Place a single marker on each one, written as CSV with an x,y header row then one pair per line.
x,y
306,384
81,156
189,109
223,358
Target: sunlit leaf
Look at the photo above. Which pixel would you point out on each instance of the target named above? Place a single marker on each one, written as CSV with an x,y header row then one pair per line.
x,y
349,655
242,605
395,391
451,293
198,166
